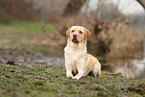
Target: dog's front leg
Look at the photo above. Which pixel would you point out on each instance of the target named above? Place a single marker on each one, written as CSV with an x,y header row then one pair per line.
x,y
68,66
68,70
80,68
79,75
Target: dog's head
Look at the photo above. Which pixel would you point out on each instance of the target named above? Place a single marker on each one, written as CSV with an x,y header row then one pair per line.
x,y
78,34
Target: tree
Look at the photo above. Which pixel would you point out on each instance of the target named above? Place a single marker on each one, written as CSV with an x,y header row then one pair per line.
x,y
73,7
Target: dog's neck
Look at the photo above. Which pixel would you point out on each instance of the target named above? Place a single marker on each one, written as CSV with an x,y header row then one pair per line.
x,y
76,47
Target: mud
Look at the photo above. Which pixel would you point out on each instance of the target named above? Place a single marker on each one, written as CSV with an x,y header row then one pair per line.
x,y
27,57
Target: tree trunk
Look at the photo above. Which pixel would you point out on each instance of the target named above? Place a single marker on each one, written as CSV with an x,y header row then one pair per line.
x,y
73,7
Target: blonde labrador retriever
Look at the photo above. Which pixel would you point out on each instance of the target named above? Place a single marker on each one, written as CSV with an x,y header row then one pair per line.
x,y
77,60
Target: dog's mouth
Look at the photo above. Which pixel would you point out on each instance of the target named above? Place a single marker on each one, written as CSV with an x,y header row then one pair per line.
x,y
75,40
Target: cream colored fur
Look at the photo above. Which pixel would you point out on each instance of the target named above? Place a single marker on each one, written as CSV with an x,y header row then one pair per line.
x,y
76,57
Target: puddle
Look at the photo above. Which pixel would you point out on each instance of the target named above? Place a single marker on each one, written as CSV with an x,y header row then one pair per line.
x,y
130,69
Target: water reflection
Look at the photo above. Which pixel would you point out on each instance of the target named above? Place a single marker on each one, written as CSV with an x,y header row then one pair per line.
x,y
130,69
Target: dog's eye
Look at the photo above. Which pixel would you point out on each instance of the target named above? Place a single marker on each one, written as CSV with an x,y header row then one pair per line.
x,y
72,31
80,32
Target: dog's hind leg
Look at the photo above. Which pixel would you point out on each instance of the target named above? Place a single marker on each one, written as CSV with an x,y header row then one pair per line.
x,y
97,70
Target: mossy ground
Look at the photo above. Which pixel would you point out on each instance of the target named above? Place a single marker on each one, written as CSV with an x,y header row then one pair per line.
x,y
50,81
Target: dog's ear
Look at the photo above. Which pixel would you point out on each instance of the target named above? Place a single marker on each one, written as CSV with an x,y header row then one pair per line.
x,y
87,33
68,32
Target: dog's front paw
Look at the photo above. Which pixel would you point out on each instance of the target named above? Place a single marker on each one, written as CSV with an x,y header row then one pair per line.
x,y
69,75
75,77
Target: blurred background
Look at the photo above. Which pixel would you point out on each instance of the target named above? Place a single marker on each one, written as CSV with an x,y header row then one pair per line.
x,y
33,32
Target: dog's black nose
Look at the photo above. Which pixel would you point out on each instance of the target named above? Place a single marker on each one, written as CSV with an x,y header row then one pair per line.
x,y
74,35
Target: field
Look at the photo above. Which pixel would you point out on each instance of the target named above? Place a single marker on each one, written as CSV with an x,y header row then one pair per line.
x,y
31,36
23,32
50,81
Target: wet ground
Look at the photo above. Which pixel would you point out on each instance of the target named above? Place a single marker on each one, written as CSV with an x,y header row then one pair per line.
x,y
27,57
131,68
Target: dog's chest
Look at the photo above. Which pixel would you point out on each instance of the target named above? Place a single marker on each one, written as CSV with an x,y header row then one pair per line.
x,y
75,54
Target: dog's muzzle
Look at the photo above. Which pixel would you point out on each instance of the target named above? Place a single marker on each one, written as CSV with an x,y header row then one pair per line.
x,y
75,39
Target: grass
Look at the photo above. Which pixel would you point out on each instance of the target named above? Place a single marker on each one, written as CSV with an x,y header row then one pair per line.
x,y
50,81
24,34
28,35
28,27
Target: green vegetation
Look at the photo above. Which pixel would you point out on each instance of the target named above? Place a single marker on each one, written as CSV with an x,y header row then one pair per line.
x,y
28,27
28,35
50,81
24,34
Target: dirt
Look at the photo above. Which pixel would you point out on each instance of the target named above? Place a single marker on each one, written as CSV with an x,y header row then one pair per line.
x,y
27,57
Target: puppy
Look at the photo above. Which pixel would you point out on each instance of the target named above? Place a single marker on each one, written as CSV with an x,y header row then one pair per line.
x,y
77,60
